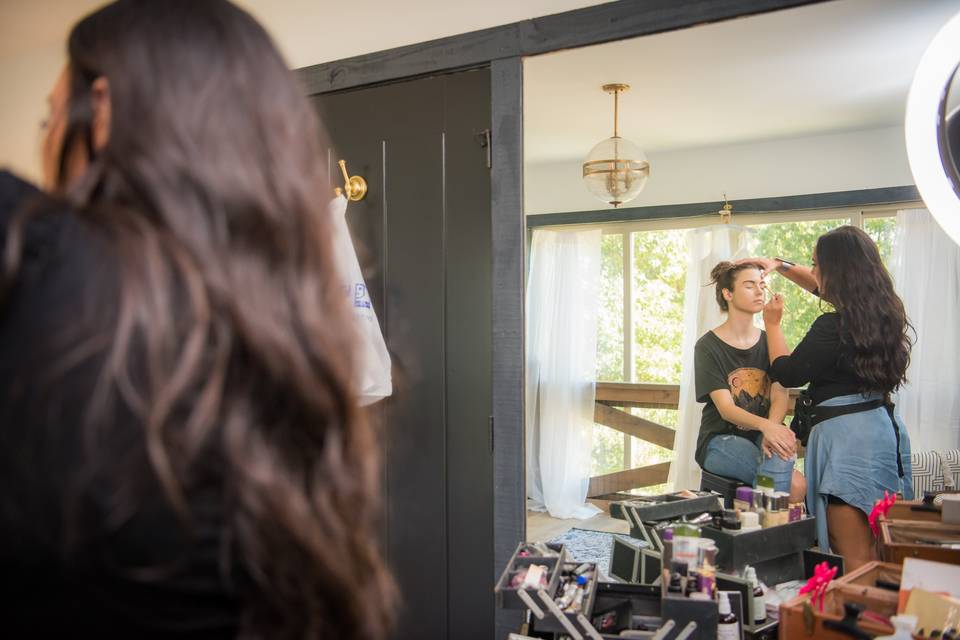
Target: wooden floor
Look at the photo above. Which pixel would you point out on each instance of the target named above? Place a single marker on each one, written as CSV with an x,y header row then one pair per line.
x,y
541,527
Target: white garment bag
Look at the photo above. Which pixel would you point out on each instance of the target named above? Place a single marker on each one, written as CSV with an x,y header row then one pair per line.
x,y
373,380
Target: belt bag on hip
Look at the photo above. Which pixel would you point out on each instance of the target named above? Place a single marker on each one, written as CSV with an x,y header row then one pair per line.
x,y
807,415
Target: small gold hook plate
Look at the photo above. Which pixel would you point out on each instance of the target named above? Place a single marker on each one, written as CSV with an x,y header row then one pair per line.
x,y
354,187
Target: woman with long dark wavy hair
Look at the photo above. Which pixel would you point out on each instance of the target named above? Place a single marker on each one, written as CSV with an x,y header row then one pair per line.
x,y
181,451
854,358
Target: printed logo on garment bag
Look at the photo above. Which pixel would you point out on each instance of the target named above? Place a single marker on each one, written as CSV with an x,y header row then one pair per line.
x,y
359,294
360,297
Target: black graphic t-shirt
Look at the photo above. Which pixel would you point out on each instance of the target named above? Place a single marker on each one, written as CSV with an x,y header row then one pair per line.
x,y
717,365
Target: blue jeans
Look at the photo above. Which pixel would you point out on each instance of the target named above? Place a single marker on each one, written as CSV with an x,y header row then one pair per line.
x,y
734,457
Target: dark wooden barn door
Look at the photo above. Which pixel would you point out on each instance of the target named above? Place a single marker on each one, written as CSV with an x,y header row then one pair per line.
x,y
424,239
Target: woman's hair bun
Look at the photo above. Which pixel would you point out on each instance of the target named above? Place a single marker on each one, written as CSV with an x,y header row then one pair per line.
x,y
720,270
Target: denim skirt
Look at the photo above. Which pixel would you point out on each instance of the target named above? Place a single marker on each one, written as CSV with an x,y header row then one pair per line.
x,y
854,457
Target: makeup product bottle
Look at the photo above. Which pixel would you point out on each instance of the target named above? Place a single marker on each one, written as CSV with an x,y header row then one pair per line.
x,y
728,627
744,499
773,508
707,580
581,591
693,581
567,595
686,544
903,626
795,512
686,529
783,514
758,505
749,521
730,521
759,602
678,578
768,516
667,537
784,508
675,587
710,553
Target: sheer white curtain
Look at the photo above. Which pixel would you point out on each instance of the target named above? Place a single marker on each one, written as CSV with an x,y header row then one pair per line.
x,y
926,271
563,300
707,246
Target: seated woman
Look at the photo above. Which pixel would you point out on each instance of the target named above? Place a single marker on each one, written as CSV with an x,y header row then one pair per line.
x,y
741,431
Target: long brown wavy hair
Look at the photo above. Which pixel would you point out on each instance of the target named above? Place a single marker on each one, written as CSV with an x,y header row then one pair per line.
x,y
232,342
872,318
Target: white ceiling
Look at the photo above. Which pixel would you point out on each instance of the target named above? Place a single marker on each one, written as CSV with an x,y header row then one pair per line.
x,y
307,31
836,66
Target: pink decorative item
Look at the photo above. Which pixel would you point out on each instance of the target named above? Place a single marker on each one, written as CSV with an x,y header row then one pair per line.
x,y
881,508
817,585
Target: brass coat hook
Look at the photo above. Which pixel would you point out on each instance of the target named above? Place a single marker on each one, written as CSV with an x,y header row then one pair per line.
x,y
354,187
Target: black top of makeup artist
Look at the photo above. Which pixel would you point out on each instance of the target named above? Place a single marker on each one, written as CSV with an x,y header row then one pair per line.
x,y
823,359
73,560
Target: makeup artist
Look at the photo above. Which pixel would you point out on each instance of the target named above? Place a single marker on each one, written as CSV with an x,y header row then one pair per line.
x,y
853,358
181,451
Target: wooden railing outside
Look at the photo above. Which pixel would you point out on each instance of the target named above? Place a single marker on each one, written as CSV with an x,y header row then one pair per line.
x,y
613,401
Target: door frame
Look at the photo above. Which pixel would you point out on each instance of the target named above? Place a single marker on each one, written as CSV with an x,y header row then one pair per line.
x,y
502,49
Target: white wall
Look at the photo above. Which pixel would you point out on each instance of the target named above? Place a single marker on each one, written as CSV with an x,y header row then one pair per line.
x,y
26,78
33,34
816,164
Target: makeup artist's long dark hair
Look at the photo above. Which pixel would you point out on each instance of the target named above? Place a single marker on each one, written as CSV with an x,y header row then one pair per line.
x,y
232,343
872,317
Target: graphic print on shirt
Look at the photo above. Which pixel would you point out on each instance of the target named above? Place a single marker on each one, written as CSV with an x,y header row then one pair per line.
x,y
750,388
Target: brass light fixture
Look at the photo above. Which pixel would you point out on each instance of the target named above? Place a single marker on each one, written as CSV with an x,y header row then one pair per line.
x,y
616,170
726,213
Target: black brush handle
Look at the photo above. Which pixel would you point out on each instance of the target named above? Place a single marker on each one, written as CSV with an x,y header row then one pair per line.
x,y
848,626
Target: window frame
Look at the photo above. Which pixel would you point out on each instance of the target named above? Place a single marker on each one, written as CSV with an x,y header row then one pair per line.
x,y
856,216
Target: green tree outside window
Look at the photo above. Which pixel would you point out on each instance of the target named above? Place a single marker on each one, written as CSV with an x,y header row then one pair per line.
x,y
794,241
659,273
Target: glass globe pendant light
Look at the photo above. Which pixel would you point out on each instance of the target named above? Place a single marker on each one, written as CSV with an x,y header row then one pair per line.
x,y
616,170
